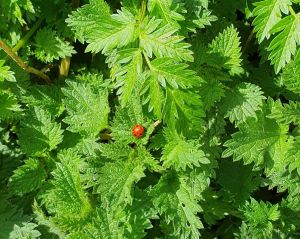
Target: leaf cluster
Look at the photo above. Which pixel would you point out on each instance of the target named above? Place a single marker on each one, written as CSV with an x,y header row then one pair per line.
x,y
214,84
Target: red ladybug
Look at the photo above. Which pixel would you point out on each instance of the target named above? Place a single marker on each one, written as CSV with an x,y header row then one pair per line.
x,y
138,131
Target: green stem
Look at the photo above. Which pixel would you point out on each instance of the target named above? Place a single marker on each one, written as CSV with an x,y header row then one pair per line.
x,y
28,35
143,10
248,41
156,123
22,64
147,60
292,11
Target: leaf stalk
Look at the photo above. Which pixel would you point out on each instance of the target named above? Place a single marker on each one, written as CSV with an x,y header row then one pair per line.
x,y
22,64
28,35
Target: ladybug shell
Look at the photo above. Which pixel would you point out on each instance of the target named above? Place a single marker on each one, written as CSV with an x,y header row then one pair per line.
x,y
138,131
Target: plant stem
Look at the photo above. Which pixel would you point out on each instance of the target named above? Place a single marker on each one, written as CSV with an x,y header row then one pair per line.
x,y
248,41
147,60
28,35
292,11
22,64
64,66
143,10
156,123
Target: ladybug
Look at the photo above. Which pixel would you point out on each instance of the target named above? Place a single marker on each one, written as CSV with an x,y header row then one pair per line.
x,y
138,131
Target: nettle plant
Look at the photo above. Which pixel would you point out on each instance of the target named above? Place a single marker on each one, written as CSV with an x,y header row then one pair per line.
x,y
149,119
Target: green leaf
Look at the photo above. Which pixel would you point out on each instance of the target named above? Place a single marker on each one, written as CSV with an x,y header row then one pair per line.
x,y
86,18
9,107
131,77
215,207
165,74
46,97
47,222
117,180
259,218
10,216
27,230
154,95
289,113
162,41
180,154
125,119
126,68
115,151
176,75
39,132
101,31
197,15
94,79
237,180
17,11
290,76
227,46
293,155
28,177
5,73
242,102
284,45
66,197
205,19
148,160
257,140
176,203
87,109
166,10
132,5
86,146
183,109
138,216
211,92
267,13
50,47
105,224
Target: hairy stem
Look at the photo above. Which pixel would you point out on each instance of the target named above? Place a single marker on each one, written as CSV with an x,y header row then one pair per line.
x,y
28,35
22,64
